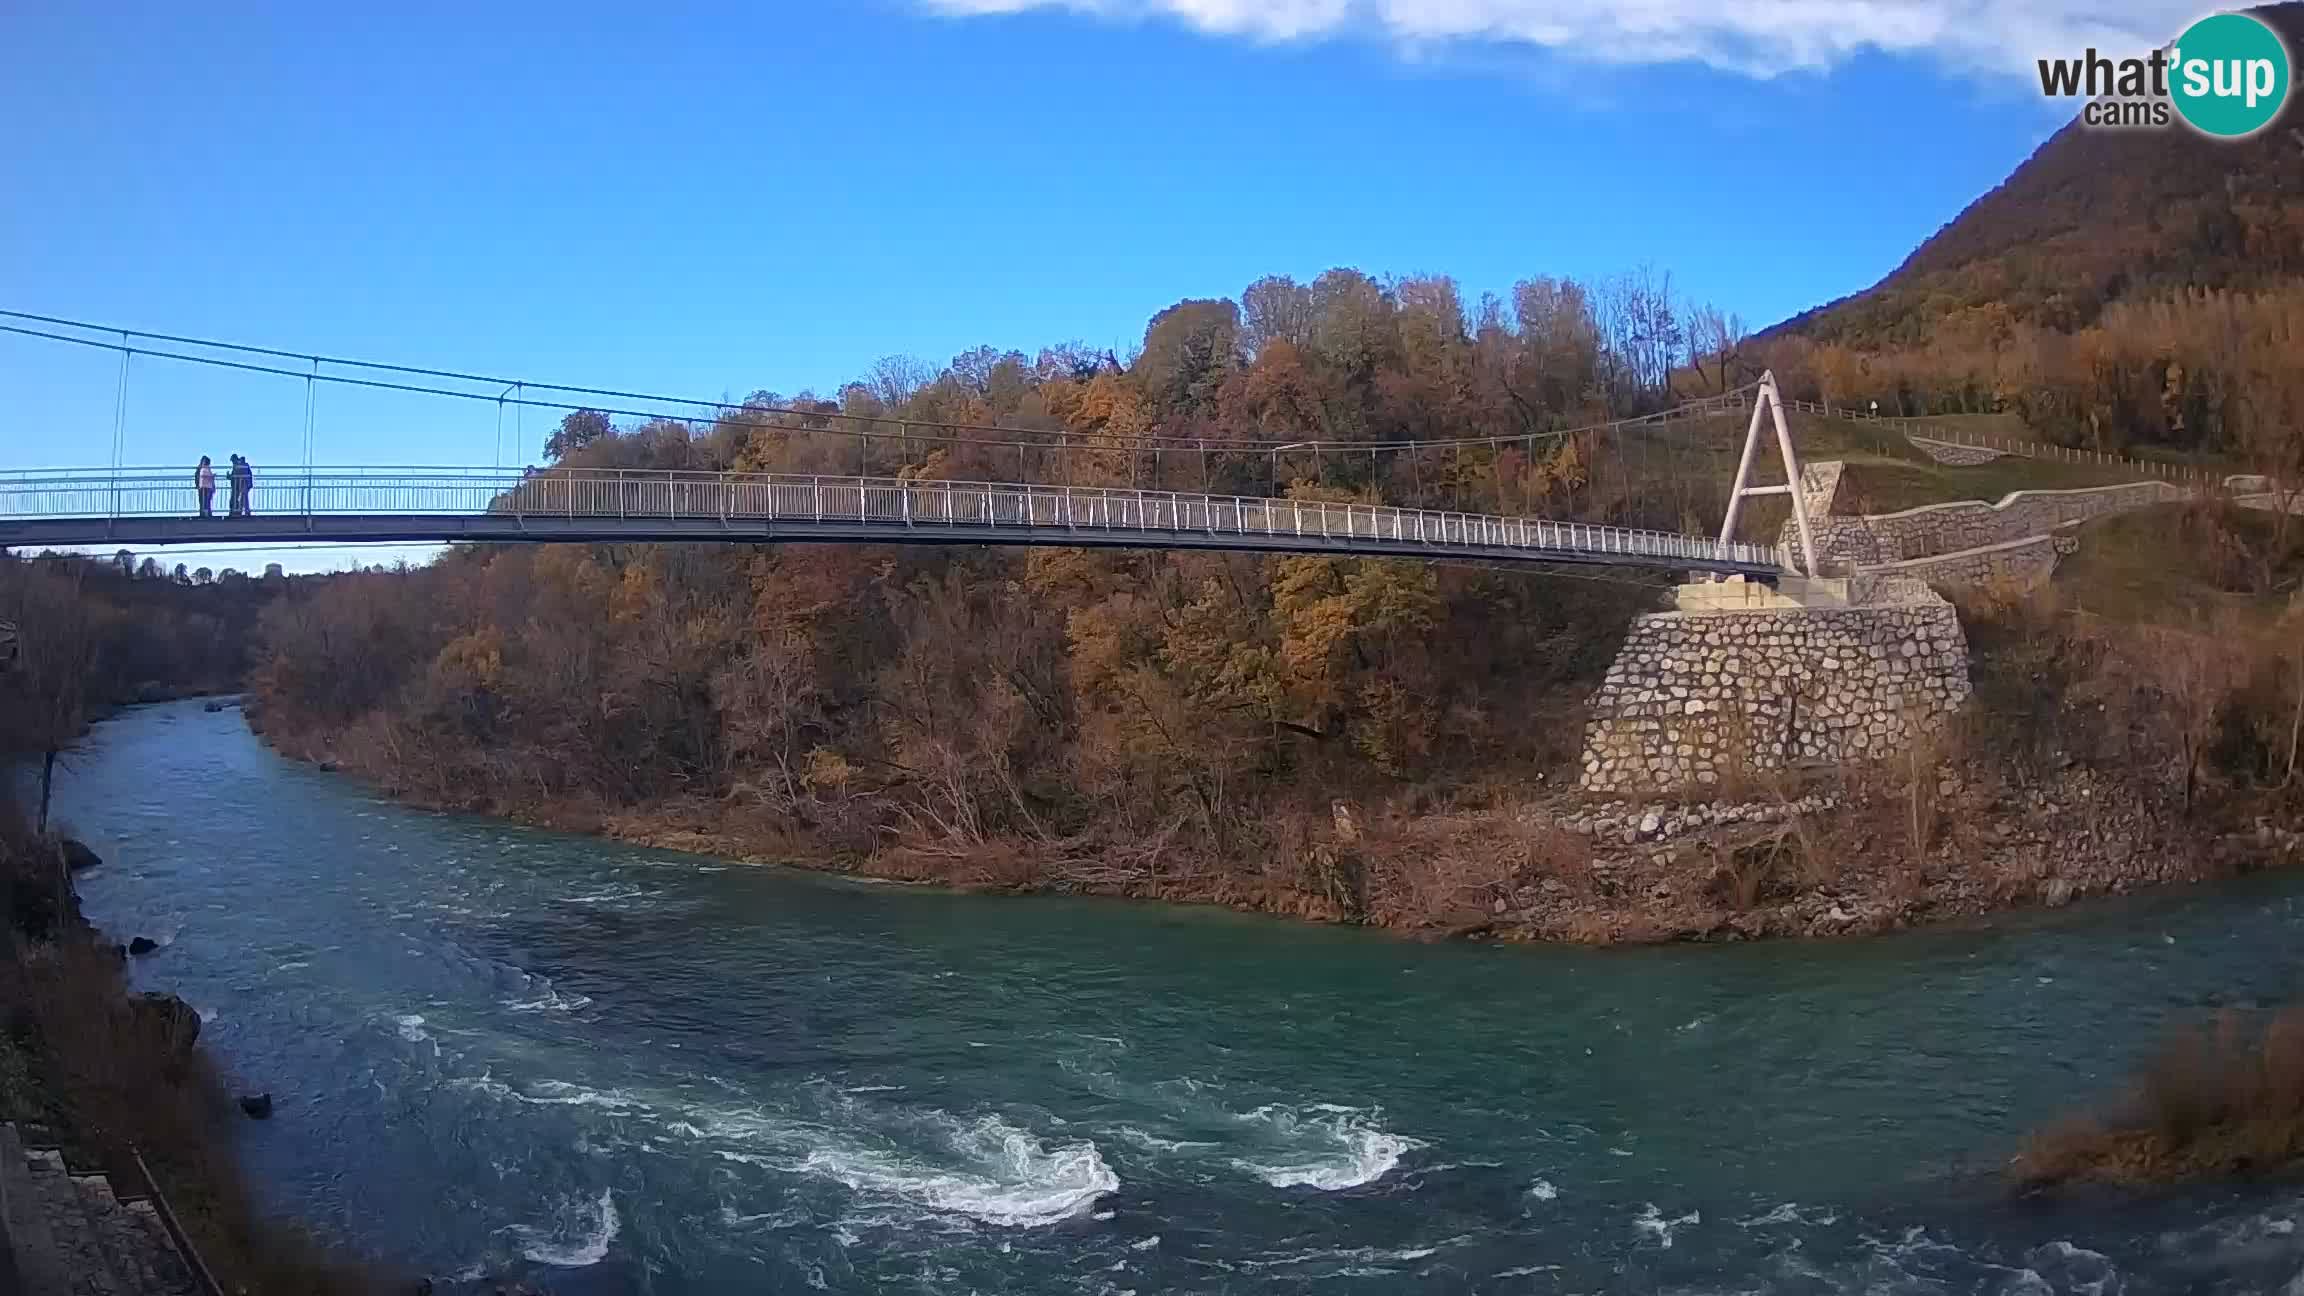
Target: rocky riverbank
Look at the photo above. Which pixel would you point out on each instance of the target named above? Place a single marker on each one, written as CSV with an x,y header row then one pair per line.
x,y
1851,861
1836,857
116,1080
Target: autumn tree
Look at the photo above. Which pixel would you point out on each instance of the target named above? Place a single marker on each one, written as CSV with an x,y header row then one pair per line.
x,y
1275,309
56,651
893,380
1716,338
1352,324
1189,349
578,429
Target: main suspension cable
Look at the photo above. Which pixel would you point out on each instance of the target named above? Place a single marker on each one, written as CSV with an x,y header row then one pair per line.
x,y
685,407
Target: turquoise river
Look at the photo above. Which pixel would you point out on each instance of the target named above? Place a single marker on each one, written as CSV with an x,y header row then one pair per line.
x,y
502,1052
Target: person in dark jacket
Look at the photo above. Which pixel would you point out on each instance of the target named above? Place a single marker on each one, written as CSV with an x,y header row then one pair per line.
x,y
243,485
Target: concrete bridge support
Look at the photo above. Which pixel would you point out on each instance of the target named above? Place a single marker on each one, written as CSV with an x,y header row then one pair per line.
x,y
1744,679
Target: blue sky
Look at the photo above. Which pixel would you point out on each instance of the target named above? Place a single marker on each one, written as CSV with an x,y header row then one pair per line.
x,y
717,200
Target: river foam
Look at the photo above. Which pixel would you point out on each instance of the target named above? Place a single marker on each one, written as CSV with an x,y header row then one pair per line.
x,y
546,997
1322,1146
1651,1223
550,1093
579,1235
986,1169
911,1165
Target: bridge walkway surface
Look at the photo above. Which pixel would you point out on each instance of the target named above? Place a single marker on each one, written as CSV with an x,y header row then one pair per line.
x,y
64,507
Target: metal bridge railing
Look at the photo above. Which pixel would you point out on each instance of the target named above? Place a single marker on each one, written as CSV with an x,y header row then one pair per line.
x,y
751,499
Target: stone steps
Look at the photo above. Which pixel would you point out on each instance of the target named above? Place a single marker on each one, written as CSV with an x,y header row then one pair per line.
x,y
70,1234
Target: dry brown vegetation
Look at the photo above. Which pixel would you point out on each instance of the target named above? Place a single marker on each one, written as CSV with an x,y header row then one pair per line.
x,y
1142,724
2222,1099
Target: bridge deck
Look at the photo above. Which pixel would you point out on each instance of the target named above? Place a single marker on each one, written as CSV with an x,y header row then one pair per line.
x,y
147,507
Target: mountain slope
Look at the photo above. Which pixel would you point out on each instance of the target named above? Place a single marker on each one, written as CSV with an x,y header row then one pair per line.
x,y
2095,216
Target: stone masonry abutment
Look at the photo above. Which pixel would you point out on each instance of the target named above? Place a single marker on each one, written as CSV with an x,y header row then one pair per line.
x,y
1695,696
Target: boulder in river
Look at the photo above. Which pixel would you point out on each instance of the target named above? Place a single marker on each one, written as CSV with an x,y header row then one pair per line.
x,y
77,856
258,1106
177,1022
142,945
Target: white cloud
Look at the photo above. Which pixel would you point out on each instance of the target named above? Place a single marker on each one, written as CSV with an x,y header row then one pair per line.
x,y
1758,38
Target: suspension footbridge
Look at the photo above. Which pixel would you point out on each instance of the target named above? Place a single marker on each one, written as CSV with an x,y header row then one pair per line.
x,y
161,507
901,491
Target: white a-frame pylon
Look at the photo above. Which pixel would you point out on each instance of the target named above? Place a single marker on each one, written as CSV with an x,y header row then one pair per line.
x,y
1765,402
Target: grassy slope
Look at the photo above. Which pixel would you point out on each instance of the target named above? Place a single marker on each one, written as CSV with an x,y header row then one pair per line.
x,y
2173,564
1885,471
1877,484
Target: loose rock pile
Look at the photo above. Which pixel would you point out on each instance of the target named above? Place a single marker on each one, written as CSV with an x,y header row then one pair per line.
x,y
1627,822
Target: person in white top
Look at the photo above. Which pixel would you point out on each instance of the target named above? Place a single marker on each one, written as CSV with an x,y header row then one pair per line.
x,y
204,480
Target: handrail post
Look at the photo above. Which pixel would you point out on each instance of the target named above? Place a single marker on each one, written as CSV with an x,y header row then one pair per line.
x,y
202,1276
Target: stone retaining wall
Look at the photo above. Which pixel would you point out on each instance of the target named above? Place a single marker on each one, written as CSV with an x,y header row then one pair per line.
x,y
1696,695
2016,564
1819,486
1934,529
1954,453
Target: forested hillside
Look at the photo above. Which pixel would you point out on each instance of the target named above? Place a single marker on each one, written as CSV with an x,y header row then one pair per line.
x,y
2122,288
87,635
2095,217
1177,721
1294,733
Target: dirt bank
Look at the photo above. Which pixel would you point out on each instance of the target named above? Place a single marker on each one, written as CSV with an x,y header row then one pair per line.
x,y
1831,856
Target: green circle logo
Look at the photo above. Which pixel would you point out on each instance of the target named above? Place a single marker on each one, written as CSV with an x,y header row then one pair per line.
x,y
2228,75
